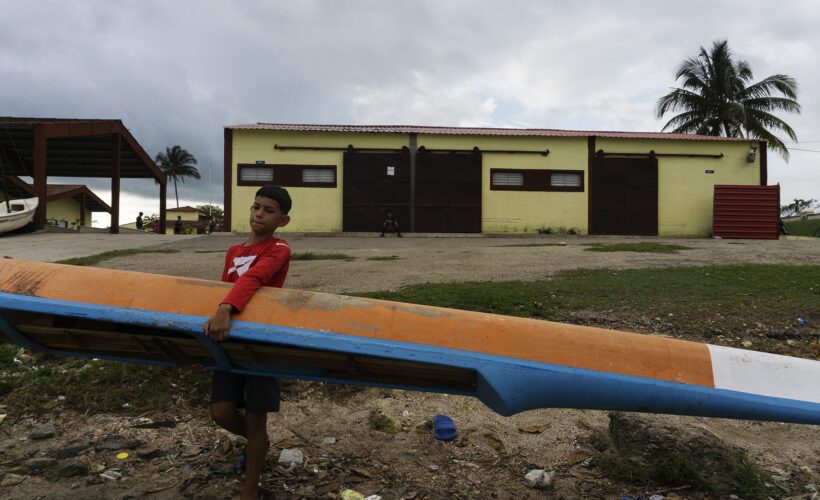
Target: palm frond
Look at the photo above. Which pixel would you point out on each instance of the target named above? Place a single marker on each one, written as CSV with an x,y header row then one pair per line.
x,y
783,84
717,98
772,104
680,99
761,120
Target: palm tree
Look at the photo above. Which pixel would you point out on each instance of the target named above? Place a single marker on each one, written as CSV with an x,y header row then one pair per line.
x,y
177,163
718,99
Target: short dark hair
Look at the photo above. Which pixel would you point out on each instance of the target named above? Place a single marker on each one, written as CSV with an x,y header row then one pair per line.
x,y
277,193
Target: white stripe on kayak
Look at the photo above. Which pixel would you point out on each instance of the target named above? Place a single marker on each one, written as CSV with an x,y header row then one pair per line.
x,y
765,374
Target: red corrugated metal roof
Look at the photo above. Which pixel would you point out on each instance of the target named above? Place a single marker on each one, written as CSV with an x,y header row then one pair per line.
x,y
408,129
57,191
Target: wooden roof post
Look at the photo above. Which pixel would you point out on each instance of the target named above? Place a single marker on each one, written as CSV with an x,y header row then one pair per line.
x,y
82,210
39,161
163,187
116,153
227,183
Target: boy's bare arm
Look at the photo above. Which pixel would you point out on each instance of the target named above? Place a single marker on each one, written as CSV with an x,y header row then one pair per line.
x,y
217,326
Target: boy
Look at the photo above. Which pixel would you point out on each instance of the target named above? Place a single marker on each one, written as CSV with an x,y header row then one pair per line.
x,y
390,224
260,261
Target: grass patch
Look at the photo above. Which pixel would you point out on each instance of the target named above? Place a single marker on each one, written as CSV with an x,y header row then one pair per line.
x,y
113,254
802,227
646,246
676,469
321,256
211,251
532,245
735,294
95,386
385,257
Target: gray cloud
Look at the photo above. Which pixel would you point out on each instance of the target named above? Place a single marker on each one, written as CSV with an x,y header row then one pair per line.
x,y
177,72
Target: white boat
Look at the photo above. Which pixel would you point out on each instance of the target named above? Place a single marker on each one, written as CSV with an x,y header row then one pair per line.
x,y
22,213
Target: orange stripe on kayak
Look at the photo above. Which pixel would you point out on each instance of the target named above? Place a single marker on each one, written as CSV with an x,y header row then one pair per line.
x,y
542,341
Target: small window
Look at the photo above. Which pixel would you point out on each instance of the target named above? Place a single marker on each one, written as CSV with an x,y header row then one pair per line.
x,y
508,179
565,179
286,175
256,174
318,175
536,179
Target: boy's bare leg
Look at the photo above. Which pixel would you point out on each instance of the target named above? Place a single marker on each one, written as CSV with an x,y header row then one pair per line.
x,y
226,416
257,434
252,426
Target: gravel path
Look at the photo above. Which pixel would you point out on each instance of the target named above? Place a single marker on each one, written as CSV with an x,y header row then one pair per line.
x,y
419,259
438,260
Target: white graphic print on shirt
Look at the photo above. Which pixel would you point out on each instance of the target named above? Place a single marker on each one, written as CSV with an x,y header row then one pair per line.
x,y
241,264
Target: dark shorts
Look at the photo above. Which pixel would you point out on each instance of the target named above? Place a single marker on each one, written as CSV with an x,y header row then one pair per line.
x,y
255,394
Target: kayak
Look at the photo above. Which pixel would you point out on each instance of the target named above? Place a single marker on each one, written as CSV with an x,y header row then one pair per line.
x,y
511,364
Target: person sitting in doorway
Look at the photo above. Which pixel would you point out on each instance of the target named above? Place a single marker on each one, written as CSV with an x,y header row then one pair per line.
x,y
390,224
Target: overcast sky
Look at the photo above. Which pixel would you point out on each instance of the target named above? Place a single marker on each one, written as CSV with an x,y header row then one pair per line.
x,y
176,72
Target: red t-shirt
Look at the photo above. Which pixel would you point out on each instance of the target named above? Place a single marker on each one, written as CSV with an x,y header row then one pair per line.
x,y
263,264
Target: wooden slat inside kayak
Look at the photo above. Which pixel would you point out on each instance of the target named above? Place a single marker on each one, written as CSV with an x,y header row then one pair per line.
x,y
105,339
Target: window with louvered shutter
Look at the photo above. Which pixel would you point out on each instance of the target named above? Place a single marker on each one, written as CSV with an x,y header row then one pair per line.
x,y
318,175
565,180
256,174
508,179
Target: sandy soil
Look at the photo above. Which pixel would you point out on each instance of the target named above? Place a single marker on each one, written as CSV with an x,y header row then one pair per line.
x,y
407,464
439,260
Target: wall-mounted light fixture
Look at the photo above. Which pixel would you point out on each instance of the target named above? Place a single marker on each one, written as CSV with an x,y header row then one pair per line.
x,y
750,156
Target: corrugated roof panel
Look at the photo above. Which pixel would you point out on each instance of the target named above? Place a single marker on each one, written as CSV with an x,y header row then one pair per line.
x,y
409,129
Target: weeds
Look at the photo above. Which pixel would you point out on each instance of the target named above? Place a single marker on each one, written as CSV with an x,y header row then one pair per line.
x,y
113,254
321,256
746,479
646,246
532,245
94,385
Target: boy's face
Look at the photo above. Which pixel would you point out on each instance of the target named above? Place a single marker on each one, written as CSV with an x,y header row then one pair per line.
x,y
266,216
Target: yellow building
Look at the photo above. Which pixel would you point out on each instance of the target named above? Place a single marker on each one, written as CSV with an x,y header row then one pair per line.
x,y
188,215
485,180
67,206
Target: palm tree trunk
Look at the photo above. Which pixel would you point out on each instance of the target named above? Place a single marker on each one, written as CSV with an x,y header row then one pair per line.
x,y
176,194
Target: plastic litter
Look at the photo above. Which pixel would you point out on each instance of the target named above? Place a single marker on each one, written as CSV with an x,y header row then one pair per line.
x,y
802,321
351,495
111,475
122,456
539,478
291,457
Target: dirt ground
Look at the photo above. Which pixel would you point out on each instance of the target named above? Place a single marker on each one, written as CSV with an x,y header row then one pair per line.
x,y
488,460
